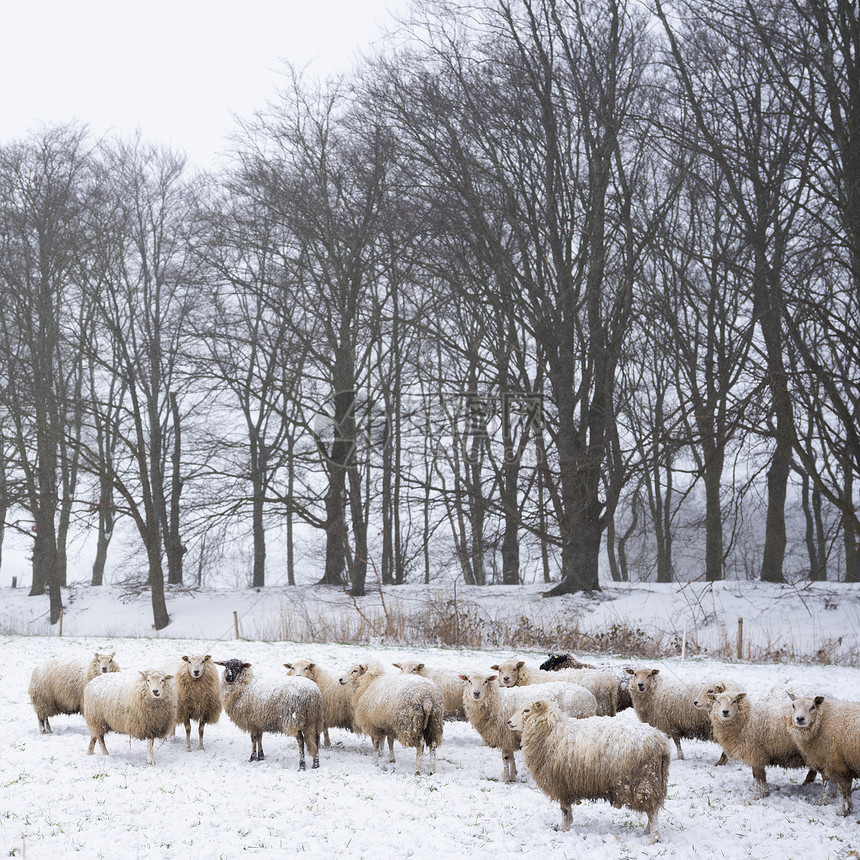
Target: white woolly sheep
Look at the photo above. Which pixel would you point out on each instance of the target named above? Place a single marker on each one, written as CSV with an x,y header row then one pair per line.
x,y
198,688
556,662
447,680
57,687
701,701
407,707
827,733
668,705
141,705
489,707
337,703
756,734
515,673
594,759
290,705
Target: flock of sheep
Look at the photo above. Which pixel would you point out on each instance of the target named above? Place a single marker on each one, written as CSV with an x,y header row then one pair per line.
x,y
561,716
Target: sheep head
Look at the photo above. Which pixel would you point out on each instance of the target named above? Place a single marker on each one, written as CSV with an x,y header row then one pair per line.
x,y
804,710
232,669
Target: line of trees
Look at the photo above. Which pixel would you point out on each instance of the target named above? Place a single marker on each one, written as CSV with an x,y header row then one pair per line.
x,y
545,278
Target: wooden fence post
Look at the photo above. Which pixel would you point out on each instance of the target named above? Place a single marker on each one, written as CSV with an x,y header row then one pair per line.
x,y
236,622
740,639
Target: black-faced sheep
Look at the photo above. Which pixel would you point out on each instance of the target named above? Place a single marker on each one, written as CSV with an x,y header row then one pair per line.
x,y
292,706
668,705
198,688
141,705
406,707
515,673
756,734
827,734
447,680
594,759
489,707
337,703
57,687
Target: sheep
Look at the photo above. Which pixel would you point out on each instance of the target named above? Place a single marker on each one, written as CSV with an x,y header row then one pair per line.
x,y
141,705
337,704
668,706
567,661
827,734
290,705
515,673
756,734
447,680
594,759
489,706
198,690
700,700
57,687
407,707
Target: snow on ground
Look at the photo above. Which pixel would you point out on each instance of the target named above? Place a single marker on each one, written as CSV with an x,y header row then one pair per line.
x,y
55,800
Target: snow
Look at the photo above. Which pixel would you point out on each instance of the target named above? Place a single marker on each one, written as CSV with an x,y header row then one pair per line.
x,y
215,803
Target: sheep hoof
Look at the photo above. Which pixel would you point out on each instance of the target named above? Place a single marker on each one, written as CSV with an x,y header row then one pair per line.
x,y
301,765
253,757
316,764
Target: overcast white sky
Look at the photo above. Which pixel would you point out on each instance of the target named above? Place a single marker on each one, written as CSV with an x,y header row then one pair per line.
x,y
178,69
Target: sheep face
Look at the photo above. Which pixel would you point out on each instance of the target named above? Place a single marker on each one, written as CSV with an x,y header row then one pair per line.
x,y
804,710
196,664
232,669
517,722
353,674
478,685
410,668
156,683
301,668
509,672
105,663
725,706
642,679
701,701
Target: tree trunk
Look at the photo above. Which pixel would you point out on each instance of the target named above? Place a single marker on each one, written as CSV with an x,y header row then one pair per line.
x,y
258,481
174,549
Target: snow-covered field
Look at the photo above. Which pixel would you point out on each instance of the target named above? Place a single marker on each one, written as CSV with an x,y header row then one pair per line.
x,y
55,800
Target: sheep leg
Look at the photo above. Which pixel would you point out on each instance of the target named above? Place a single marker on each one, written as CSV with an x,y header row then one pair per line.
x,y
509,766
200,734
652,826
149,757
187,735
314,749
566,816
419,756
811,774
761,789
723,759
845,786
300,740
377,743
325,735
256,746
432,766
260,755
678,747
101,740
391,748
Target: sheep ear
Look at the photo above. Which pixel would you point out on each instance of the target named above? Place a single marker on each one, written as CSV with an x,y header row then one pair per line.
x,y
168,677
288,665
142,674
721,688
520,664
311,665
492,677
464,677
185,658
818,700
246,665
712,697
629,671
420,666
207,657
740,696
397,665
113,654
218,662
655,671
495,668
